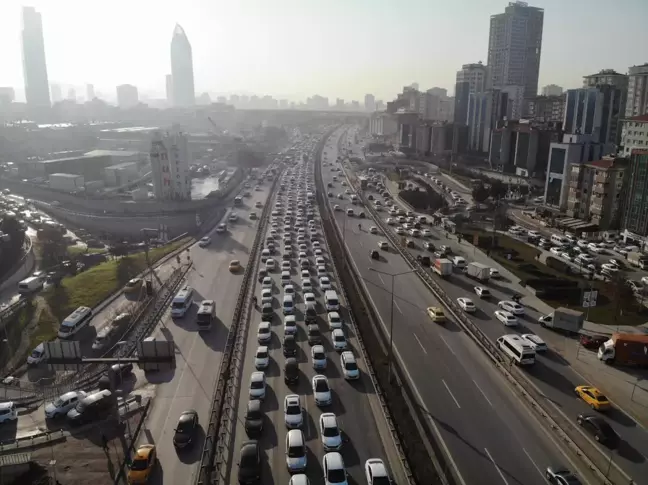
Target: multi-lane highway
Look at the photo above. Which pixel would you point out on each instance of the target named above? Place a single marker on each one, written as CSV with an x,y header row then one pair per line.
x,y
488,434
364,431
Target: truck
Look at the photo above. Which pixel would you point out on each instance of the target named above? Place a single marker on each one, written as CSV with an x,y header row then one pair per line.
x,y
478,271
625,349
563,319
442,267
363,182
638,259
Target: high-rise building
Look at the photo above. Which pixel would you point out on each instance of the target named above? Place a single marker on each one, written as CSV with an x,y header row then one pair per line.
x,y
514,47
370,103
634,134
90,92
34,63
485,109
182,69
339,104
637,102
127,96
471,79
552,90
57,93
71,95
170,165
596,112
546,108
169,89
635,220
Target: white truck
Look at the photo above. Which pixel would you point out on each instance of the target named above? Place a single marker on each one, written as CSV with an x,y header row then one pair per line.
x,y
478,271
563,319
638,259
442,267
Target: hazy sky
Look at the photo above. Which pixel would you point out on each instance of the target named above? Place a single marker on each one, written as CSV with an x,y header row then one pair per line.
x,y
295,48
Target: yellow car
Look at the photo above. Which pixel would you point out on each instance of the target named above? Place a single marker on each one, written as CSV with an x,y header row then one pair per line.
x,y
235,265
592,396
436,314
134,285
142,465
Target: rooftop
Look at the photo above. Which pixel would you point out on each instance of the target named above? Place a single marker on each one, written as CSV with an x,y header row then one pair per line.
x,y
606,163
642,118
111,153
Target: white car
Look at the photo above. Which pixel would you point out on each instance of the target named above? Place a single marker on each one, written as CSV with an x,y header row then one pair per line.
x,y
262,357
257,386
266,295
293,413
63,404
349,365
482,292
390,221
330,432
339,340
426,233
318,252
566,256
334,471
400,231
321,390
383,245
267,282
318,357
289,290
373,230
205,241
221,228
494,273
555,250
507,318
376,472
325,283
466,304
264,333
536,342
305,274
321,270
306,284
512,307
334,320
270,264
534,234
285,265
290,325
610,267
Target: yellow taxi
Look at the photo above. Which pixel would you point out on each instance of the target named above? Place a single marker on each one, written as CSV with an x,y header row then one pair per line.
x,y
134,285
436,314
142,465
234,266
593,397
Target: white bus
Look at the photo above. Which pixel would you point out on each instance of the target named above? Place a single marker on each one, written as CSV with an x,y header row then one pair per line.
x,y
74,322
206,314
182,302
513,346
30,285
559,240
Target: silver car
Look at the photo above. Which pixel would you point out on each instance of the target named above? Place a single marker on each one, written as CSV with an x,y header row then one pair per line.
x,y
295,451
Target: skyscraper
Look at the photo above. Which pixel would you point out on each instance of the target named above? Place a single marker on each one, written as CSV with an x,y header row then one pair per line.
x,y
472,79
637,103
514,47
182,69
169,89
90,92
34,63
170,158
369,102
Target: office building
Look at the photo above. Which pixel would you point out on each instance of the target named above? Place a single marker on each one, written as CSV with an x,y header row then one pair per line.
x,y
170,165
484,111
471,79
370,103
515,46
437,138
382,124
606,76
446,109
634,135
380,105
545,108
339,104
441,92
552,90
169,89
429,106
57,93
127,96
637,102
635,219
34,63
184,94
514,101
595,111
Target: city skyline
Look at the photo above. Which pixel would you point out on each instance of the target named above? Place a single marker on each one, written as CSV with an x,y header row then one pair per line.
x,y
251,60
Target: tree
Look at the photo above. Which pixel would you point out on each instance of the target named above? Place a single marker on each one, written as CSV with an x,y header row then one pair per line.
x,y
523,189
480,193
497,190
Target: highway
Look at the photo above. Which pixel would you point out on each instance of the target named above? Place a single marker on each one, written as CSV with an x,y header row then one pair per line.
x,y
353,402
485,429
198,355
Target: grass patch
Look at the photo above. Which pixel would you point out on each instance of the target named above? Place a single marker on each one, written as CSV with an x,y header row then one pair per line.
x,y
76,250
46,330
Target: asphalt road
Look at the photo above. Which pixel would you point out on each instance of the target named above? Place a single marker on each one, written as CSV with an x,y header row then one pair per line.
x,y
552,374
198,355
490,437
354,402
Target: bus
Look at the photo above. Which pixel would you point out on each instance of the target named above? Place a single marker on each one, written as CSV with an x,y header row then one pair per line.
x,y
75,321
206,314
517,349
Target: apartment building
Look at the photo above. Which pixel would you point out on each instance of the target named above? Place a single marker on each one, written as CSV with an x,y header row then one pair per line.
x,y
635,219
637,103
634,134
546,108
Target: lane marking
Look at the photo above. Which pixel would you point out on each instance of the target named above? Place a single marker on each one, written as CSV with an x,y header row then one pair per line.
x,y
483,393
419,342
447,345
534,463
381,280
496,467
397,307
450,392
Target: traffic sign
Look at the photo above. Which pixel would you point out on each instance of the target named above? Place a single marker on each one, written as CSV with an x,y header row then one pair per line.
x,y
589,298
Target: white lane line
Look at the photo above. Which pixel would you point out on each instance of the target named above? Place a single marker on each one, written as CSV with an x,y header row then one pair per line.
x,y
419,342
447,345
496,467
483,393
381,280
397,307
450,392
534,463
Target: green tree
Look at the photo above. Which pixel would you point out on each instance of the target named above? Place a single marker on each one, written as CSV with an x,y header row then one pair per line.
x,y
497,190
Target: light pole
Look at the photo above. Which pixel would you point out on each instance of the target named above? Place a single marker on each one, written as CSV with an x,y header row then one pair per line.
x,y
391,316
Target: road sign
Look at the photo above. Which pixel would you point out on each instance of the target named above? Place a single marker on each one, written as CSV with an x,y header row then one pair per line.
x,y
589,298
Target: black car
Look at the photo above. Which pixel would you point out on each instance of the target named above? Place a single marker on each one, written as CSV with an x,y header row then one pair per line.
x,y
314,336
291,370
186,429
599,428
253,418
310,315
370,197
249,464
374,254
559,475
362,215
289,346
267,312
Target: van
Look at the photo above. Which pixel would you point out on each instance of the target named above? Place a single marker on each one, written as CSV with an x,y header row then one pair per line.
x,y
104,336
182,302
74,322
288,305
559,240
332,301
206,314
8,412
95,406
37,355
459,262
515,348
29,285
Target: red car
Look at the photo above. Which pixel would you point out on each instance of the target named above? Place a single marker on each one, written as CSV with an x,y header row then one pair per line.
x,y
592,342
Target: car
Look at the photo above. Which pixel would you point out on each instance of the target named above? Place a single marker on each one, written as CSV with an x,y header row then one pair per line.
x,y
60,406
270,264
257,388
400,231
221,228
267,282
556,250
373,230
334,320
293,413
321,390
186,429
376,472
289,346
559,475
467,305
142,464
334,470
383,245
339,340
337,208
266,295
507,318
233,217
436,314
511,307
253,418
264,333
289,290
373,254
290,325
234,266
204,242
321,270
593,397
494,273
566,256
249,465
261,357
133,285
534,341
285,265
309,299
390,221
600,428
296,451
330,432
325,283
306,284
349,365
